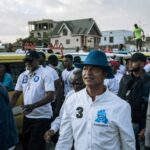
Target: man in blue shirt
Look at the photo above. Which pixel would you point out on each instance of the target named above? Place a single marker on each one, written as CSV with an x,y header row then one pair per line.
x,y
8,133
6,79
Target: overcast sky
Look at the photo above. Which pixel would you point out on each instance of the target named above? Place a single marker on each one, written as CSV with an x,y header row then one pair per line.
x,y
108,14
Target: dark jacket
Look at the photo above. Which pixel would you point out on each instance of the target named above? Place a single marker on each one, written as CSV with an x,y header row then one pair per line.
x,y
147,130
8,134
136,92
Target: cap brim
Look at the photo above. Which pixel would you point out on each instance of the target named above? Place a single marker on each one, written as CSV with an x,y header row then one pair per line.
x,y
105,68
28,58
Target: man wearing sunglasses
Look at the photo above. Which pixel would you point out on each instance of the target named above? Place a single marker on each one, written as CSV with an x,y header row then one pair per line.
x,y
38,91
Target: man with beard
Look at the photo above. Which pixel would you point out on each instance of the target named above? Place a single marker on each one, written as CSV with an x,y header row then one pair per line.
x,y
38,89
135,88
66,74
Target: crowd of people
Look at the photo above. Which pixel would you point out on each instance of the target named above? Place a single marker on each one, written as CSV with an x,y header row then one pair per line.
x,y
96,104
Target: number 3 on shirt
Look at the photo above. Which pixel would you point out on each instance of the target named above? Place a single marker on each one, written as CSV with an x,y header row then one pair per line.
x,y
79,113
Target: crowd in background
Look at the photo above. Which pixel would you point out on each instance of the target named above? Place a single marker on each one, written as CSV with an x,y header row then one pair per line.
x,y
50,92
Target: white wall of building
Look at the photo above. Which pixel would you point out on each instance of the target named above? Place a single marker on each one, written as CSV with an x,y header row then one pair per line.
x,y
73,41
90,41
117,35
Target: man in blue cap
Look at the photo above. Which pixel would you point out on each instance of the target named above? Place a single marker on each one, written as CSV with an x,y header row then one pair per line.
x,y
94,117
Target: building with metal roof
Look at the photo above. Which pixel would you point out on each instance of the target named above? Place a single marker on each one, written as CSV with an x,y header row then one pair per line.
x,y
76,33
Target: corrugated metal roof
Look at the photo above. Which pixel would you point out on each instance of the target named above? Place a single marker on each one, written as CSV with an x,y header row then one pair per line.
x,y
81,26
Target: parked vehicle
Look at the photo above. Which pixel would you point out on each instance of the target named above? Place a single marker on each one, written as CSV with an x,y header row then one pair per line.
x,y
109,55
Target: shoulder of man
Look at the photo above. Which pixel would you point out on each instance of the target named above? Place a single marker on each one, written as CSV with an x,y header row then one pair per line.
x,y
134,30
147,75
26,72
146,78
65,70
44,71
146,81
8,74
4,93
74,97
126,78
140,28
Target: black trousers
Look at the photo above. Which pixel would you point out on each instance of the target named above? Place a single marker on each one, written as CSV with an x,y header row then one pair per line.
x,y
139,44
33,133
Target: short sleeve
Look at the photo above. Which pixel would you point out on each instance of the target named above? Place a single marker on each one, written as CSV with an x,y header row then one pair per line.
x,y
55,75
48,82
18,86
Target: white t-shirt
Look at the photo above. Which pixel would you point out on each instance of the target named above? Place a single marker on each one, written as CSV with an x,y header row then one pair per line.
x,y
113,84
147,68
118,77
53,72
104,124
34,88
122,69
66,75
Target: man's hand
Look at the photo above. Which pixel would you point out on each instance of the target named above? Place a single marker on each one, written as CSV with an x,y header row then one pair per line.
x,y
48,134
27,109
141,134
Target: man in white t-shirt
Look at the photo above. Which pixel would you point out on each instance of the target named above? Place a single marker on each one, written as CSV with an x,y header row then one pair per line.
x,y
38,91
95,118
66,74
56,104
52,63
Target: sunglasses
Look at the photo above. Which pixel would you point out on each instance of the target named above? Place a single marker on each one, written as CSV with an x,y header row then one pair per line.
x,y
29,60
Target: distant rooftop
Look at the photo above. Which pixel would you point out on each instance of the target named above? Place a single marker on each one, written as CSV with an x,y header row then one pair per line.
x,y
80,26
41,21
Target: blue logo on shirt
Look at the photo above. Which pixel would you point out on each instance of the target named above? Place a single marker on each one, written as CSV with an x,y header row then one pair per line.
x,y
36,78
101,117
25,79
